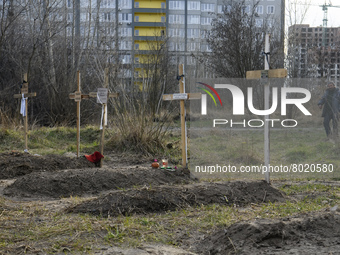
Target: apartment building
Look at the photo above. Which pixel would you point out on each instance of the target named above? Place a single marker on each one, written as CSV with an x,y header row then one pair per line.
x,y
135,27
314,52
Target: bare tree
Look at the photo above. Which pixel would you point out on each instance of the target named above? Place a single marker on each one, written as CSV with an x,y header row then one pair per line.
x,y
237,41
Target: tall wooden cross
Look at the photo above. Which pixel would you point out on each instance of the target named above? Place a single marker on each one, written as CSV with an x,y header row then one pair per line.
x,y
78,96
182,96
102,95
24,105
266,74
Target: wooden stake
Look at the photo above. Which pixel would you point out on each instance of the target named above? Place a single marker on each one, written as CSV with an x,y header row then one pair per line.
x,y
26,119
103,124
78,99
182,96
183,123
24,92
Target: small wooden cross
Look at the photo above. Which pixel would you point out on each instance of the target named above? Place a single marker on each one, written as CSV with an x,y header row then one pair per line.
x,y
182,96
25,95
102,95
266,74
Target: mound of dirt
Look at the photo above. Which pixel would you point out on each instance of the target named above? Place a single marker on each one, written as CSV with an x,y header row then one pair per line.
x,y
14,164
79,182
317,233
165,198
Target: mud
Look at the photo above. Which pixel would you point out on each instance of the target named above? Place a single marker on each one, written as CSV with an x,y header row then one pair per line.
x,y
316,233
125,187
169,198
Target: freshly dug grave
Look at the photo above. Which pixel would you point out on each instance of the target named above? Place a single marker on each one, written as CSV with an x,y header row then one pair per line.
x,y
314,233
15,164
164,198
79,182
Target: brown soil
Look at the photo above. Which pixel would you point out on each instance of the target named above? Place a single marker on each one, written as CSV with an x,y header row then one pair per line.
x,y
15,164
81,182
127,186
168,198
315,233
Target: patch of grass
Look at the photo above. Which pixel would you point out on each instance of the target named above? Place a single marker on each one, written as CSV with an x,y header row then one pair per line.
x,y
246,148
307,188
56,140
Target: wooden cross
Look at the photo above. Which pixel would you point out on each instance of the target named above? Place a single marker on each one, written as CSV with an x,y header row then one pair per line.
x,y
24,95
266,74
182,96
78,96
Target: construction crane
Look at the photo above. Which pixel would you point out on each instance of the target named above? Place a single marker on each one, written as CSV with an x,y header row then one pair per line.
x,y
325,20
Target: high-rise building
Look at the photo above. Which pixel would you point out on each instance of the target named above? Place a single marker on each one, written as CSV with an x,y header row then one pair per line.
x,y
132,28
314,52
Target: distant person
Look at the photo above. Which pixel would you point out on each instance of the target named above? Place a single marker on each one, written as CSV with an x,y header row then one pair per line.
x,y
330,102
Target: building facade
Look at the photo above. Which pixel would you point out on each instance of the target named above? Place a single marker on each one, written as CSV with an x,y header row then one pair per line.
x,y
128,30
314,52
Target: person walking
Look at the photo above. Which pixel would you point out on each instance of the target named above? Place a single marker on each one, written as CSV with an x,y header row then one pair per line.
x,y
330,102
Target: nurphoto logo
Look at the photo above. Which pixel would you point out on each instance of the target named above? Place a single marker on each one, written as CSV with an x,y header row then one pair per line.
x,y
239,105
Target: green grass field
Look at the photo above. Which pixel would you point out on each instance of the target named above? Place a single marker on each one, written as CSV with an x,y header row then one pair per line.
x,y
298,153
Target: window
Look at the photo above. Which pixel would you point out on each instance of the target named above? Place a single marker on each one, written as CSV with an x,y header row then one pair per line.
x,y
107,16
163,6
270,22
193,46
126,59
176,32
137,32
219,9
204,34
136,46
191,60
176,5
207,7
259,9
125,17
162,18
107,3
193,19
176,19
193,5
125,4
246,9
125,32
125,45
176,46
69,17
206,20
205,48
136,4
259,22
69,3
227,8
193,33
137,60
270,9
137,18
